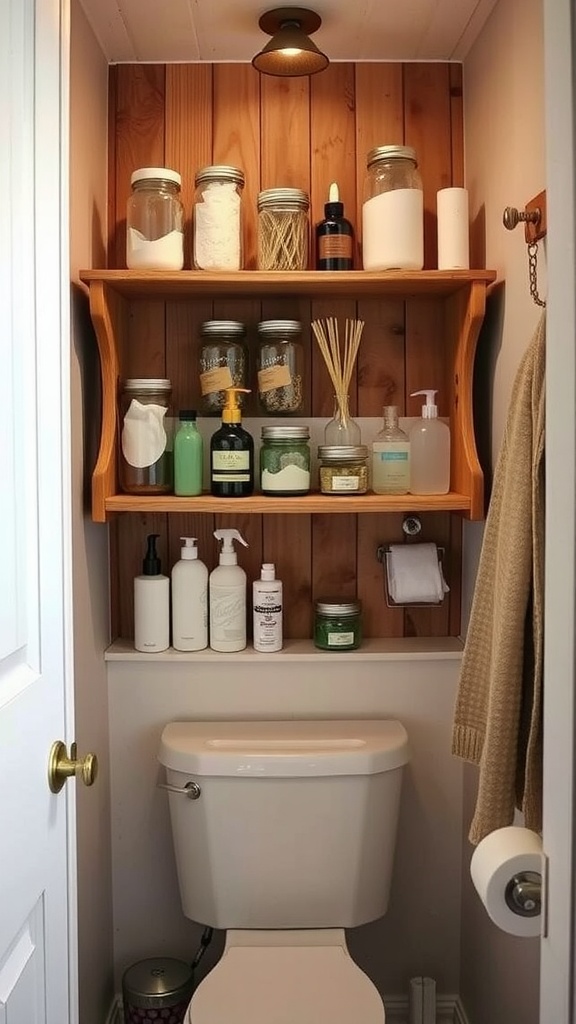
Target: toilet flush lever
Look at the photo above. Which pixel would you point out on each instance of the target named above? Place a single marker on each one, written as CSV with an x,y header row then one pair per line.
x,y
191,789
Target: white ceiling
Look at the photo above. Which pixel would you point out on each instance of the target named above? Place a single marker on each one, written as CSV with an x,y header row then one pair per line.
x,y
162,31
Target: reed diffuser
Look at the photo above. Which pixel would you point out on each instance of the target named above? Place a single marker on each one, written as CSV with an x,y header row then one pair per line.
x,y
339,359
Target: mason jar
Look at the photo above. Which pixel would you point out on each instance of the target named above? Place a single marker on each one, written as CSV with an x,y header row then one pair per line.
x,y
283,232
285,460
218,218
155,220
223,362
337,625
393,210
343,469
145,450
280,369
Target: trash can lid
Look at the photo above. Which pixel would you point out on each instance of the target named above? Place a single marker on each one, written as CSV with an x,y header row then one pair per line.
x,y
159,982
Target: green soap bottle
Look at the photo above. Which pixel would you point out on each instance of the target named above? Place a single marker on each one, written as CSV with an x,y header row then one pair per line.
x,y
188,457
232,453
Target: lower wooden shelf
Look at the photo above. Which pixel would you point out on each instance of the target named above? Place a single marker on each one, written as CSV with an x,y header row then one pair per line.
x,y
373,649
260,504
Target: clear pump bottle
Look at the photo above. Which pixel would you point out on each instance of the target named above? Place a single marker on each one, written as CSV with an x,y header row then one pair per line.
x,y
429,450
391,456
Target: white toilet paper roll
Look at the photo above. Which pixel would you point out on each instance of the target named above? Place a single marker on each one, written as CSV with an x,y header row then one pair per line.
x,y
453,232
495,861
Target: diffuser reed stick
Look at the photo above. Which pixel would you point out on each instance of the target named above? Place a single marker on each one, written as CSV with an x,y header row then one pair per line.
x,y
339,358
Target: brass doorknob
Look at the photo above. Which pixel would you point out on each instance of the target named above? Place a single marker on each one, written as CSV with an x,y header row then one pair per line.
x,y
61,767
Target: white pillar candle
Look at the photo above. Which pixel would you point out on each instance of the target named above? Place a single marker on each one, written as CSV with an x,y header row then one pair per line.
x,y
453,233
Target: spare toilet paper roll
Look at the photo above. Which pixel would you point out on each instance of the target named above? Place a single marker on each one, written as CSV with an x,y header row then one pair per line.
x,y
414,574
453,232
495,862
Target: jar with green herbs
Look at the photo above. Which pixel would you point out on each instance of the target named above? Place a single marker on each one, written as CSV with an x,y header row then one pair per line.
x,y
343,469
280,367
223,362
337,625
285,460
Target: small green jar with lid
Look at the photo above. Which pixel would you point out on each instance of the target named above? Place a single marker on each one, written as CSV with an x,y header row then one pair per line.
x,y
337,625
285,460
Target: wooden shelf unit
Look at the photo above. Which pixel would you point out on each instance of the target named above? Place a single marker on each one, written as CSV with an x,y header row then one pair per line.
x,y
463,294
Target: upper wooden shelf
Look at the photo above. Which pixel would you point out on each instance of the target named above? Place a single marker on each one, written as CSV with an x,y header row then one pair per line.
x,y
259,504
352,284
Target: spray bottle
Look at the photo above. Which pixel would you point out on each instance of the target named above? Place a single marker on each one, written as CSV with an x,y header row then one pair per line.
x,y
232,453
227,590
429,450
189,600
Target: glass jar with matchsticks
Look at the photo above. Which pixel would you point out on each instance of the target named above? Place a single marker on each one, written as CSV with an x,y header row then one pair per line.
x,y
283,230
340,356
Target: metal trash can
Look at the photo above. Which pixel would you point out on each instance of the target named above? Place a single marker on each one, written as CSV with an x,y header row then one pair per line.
x,y
157,990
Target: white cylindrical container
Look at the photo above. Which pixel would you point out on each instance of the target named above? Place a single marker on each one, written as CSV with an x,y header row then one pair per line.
x,y
151,604
393,211
227,594
189,600
267,610
453,230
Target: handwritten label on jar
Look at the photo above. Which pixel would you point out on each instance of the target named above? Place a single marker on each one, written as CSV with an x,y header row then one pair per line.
x,y
345,483
274,377
216,380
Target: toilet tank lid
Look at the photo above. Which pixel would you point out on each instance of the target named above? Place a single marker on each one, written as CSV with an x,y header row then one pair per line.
x,y
289,749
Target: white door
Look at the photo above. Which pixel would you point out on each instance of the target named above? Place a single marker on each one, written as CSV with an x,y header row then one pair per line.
x,y
37,944
557,1002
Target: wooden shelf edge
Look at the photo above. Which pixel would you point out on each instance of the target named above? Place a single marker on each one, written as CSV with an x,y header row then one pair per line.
x,y
353,283
309,504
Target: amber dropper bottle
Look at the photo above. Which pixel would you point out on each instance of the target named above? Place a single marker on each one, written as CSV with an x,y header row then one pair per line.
x,y
334,236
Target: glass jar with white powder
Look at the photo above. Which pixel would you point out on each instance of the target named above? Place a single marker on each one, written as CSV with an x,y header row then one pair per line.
x,y
218,218
285,460
393,211
155,220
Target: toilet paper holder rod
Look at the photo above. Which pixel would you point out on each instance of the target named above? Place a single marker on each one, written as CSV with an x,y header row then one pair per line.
x,y
523,894
384,549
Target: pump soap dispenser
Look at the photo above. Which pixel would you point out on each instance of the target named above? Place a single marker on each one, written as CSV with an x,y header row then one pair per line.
x,y
227,591
232,453
151,604
429,450
189,600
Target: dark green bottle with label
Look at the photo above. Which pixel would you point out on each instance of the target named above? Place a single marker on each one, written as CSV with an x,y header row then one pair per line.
x,y
232,453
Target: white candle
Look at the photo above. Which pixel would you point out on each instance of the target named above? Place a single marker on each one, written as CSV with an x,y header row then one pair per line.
x,y
453,233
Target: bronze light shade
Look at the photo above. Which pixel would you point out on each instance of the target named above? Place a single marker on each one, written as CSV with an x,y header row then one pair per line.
x,y
290,53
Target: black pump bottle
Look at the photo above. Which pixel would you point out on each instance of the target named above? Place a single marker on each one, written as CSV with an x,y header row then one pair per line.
x,y
231,453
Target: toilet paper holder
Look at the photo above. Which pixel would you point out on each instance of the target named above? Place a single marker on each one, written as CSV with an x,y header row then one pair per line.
x,y
523,894
382,554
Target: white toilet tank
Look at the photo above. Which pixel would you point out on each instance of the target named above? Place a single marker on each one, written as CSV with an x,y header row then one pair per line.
x,y
295,823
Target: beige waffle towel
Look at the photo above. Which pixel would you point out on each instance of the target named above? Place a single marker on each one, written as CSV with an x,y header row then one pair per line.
x,y
498,716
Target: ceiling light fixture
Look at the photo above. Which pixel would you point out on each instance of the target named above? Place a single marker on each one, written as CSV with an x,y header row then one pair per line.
x,y
290,52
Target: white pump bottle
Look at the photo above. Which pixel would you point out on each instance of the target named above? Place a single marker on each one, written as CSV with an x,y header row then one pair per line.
x,y
227,589
189,600
429,450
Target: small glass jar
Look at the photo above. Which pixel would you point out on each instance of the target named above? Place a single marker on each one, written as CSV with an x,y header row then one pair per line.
x,y
146,449
155,220
283,232
337,625
285,460
223,362
343,469
218,218
280,367
393,210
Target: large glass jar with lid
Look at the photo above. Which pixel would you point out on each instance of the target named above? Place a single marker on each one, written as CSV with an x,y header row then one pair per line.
x,y
155,220
285,460
146,448
283,232
280,367
393,210
218,218
223,362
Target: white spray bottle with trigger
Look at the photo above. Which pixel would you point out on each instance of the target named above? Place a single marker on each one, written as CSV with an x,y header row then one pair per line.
x,y
189,600
227,590
429,450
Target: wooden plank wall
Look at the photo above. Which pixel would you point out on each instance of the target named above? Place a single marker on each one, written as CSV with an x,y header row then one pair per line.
x,y
305,133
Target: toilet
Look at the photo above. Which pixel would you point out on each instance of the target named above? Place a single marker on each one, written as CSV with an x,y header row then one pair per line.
x,y
284,836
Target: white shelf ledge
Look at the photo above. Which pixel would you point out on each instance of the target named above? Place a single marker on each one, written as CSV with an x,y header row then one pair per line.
x,y
400,649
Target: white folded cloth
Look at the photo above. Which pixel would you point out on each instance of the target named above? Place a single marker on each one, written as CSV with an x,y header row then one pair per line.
x,y
143,434
415,574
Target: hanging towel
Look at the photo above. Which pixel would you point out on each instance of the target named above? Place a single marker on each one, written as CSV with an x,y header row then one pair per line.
x,y
498,715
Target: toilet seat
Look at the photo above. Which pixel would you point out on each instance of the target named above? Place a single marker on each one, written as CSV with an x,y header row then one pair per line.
x,y
308,978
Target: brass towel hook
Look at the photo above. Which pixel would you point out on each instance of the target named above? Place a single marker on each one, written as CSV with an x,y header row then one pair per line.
x,y
534,218
512,217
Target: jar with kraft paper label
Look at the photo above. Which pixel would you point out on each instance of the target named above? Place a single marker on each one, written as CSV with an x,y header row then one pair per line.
x,y
145,453
280,368
223,362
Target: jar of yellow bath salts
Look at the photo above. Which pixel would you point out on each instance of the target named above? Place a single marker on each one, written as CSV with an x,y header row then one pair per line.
x,y
343,469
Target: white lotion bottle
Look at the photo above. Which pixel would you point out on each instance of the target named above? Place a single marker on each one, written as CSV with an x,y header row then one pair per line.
x,y
267,610
189,600
151,604
227,594
429,450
